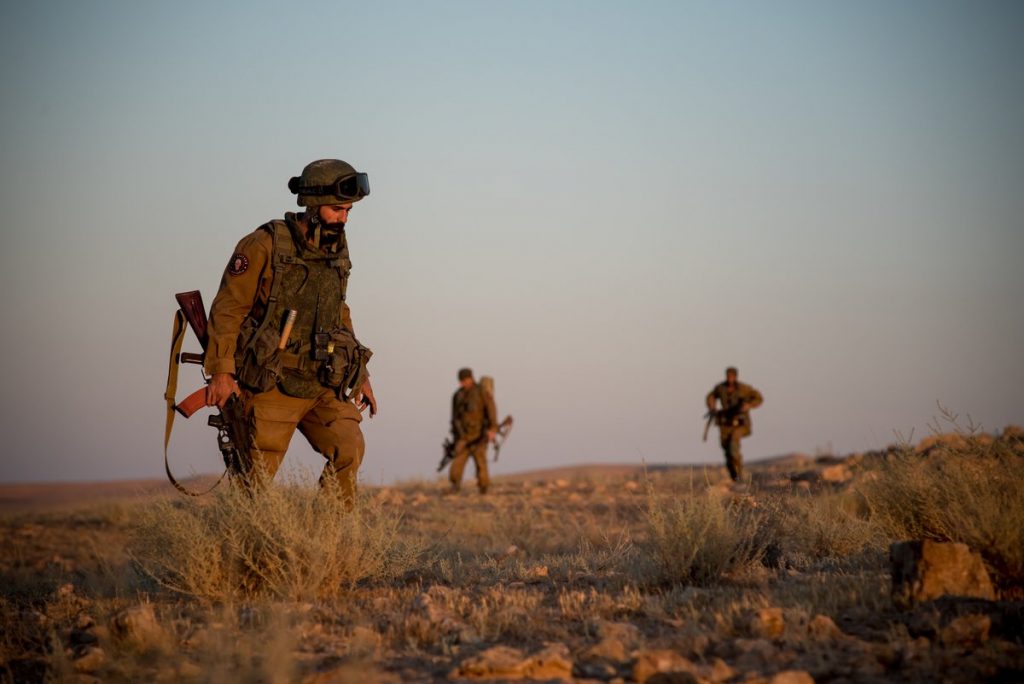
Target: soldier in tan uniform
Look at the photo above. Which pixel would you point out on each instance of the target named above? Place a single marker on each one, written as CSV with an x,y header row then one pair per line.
x,y
315,378
733,418
474,425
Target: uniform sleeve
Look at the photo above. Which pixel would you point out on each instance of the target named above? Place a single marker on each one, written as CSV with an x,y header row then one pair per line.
x,y
346,318
239,286
755,399
455,399
710,399
490,411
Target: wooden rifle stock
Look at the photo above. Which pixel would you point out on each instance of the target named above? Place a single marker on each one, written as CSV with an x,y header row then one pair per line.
x,y
191,304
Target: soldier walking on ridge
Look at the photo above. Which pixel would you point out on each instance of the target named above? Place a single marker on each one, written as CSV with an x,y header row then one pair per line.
x,y
733,418
280,331
474,424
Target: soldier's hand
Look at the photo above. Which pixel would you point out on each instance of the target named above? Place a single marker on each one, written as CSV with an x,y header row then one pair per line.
x,y
222,386
365,399
491,435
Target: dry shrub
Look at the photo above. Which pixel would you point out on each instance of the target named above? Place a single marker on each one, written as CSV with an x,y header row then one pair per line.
x,y
967,491
701,538
287,542
815,527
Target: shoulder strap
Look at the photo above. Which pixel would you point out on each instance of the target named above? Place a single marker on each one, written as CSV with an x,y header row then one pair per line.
x,y
177,336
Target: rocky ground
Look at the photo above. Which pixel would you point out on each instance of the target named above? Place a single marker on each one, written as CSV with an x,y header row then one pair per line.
x,y
545,578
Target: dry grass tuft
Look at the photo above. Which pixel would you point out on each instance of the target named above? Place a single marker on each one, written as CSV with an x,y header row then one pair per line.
x,y
286,542
800,529
701,538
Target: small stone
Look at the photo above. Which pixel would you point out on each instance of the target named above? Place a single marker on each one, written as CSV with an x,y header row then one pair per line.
x,y
501,662
791,677
91,660
836,473
967,631
650,662
823,628
766,623
618,639
138,625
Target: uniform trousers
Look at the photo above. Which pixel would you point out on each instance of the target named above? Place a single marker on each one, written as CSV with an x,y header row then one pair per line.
x,y
465,447
331,427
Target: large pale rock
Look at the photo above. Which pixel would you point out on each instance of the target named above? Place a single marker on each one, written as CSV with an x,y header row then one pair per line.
x,y
926,570
139,626
502,662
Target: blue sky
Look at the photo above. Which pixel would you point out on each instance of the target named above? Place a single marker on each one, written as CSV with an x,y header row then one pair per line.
x,y
600,205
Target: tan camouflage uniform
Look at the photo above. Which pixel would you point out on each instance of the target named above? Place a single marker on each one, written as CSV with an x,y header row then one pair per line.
x,y
473,415
732,420
331,426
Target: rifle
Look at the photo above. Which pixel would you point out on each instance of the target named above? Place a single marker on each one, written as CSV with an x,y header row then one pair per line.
x,y
710,415
448,451
231,421
504,428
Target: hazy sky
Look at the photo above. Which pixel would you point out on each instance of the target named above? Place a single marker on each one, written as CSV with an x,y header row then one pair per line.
x,y
600,204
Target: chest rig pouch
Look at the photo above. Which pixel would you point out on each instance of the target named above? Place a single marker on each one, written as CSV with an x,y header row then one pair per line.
x,y
320,352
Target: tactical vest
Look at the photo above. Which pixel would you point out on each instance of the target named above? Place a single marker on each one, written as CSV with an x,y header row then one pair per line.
x,y
319,352
730,414
469,411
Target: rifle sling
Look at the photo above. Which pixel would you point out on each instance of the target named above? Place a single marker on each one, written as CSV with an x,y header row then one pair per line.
x,y
177,337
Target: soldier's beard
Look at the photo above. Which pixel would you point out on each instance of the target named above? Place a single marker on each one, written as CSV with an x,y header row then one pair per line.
x,y
330,235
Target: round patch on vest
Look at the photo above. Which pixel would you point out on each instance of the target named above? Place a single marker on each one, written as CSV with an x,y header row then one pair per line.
x,y
239,264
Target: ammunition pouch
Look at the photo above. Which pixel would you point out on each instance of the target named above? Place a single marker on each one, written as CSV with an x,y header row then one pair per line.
x,y
260,366
342,361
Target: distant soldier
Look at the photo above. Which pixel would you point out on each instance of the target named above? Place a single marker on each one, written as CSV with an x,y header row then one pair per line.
x,y
474,424
733,418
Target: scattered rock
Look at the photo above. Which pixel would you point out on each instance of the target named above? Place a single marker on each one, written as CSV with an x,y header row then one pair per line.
x,y
766,623
91,660
836,474
717,671
755,654
967,631
649,663
926,570
791,677
951,441
823,628
1012,433
138,625
617,641
502,662
537,573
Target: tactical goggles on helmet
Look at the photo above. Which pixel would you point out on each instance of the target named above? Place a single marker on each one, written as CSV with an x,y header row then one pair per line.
x,y
353,187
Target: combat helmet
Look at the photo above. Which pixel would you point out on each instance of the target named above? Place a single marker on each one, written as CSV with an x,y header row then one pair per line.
x,y
329,181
